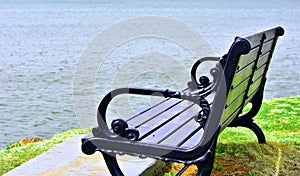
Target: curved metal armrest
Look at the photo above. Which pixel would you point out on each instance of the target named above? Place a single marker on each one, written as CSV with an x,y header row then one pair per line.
x,y
197,63
101,114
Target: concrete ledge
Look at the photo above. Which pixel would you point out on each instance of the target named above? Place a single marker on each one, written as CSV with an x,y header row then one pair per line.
x,y
67,159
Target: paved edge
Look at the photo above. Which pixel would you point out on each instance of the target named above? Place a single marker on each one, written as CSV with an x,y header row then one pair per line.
x,y
66,158
154,169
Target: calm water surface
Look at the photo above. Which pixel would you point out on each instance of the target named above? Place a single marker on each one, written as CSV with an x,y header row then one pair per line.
x,y
41,42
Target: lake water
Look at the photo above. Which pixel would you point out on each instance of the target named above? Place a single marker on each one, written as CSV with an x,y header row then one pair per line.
x,y
41,43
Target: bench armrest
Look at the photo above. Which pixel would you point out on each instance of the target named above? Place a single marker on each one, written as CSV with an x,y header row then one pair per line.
x,y
101,114
196,65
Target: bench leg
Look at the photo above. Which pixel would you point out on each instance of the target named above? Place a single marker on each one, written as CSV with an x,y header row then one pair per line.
x,y
246,120
258,132
112,164
206,164
248,123
205,167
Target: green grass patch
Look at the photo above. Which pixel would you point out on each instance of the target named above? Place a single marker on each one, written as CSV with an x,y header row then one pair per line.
x,y
279,119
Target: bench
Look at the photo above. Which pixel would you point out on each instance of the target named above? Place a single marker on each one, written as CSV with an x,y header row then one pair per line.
x,y
184,126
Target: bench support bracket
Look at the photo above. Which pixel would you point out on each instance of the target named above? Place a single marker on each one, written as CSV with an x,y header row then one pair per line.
x,y
247,121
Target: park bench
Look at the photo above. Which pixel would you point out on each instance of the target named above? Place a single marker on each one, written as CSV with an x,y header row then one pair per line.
x,y
185,125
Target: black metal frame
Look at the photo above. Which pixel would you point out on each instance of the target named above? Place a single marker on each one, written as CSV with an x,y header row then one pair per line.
x,y
247,120
202,155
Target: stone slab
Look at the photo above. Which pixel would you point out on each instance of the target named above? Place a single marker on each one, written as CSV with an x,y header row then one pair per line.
x,y
67,159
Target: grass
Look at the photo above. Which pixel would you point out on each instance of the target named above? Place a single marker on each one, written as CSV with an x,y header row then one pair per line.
x,y
279,118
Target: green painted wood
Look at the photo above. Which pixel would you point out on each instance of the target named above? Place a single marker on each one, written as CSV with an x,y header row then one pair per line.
x,y
247,59
237,91
241,75
259,72
267,47
229,110
263,60
256,38
255,86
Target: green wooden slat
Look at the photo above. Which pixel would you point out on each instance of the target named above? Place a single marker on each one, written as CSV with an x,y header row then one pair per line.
x,y
270,34
254,86
259,72
241,75
193,140
250,96
156,111
255,39
263,60
248,58
232,108
179,125
267,47
237,91
178,135
231,117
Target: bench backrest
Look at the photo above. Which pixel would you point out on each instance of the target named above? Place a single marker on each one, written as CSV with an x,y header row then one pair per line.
x,y
247,63
245,67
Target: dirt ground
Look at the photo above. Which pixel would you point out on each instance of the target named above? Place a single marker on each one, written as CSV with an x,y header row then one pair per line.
x,y
222,167
270,159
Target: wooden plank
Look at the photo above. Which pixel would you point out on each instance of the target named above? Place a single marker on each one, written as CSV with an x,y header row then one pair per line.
x,y
179,137
241,75
237,91
193,140
145,109
230,118
232,108
267,47
263,60
270,34
162,125
259,72
165,133
248,58
254,86
164,114
256,38
154,111
250,96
